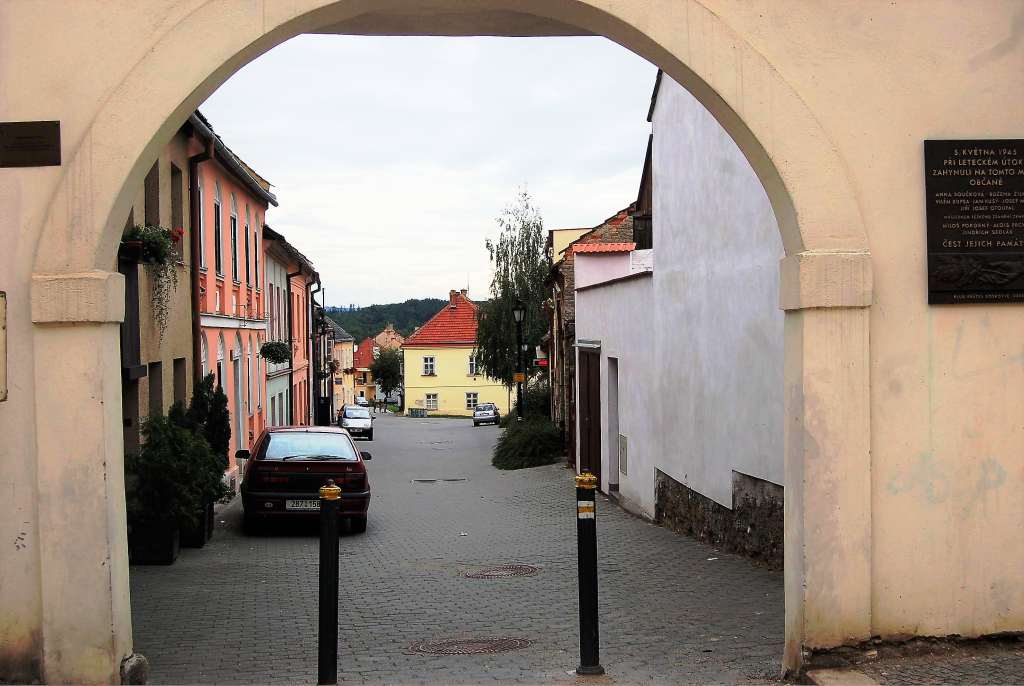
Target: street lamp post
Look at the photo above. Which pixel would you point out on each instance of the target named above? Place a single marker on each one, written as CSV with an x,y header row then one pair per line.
x,y
519,312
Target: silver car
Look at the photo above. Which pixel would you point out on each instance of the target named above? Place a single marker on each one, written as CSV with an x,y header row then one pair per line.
x,y
357,421
485,414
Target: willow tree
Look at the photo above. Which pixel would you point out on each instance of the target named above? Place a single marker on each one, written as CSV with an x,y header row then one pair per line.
x,y
517,258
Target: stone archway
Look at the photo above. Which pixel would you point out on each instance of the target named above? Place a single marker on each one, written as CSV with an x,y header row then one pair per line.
x,y
188,51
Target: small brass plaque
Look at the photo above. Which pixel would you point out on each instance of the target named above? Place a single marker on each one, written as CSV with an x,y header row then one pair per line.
x,y
30,144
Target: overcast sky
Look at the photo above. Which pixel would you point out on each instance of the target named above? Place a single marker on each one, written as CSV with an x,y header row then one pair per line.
x,y
392,157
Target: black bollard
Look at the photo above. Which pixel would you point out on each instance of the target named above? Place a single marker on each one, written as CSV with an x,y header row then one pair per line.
x,y
327,648
586,541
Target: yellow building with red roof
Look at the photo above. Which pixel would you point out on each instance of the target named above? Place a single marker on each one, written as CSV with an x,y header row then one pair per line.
x,y
441,373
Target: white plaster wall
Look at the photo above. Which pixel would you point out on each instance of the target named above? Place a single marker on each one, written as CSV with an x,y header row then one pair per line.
x,y
594,268
718,327
621,316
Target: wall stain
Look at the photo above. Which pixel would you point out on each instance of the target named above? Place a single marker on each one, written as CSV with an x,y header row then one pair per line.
x,y
926,475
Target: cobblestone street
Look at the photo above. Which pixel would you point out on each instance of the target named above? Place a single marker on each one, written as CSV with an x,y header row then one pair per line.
x,y
244,609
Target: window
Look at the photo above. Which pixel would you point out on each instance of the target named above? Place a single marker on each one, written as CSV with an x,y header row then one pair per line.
x,y
152,193
259,376
428,366
472,400
234,239
256,251
472,365
643,234
431,401
202,221
248,277
177,211
273,411
218,235
179,380
156,388
205,356
248,377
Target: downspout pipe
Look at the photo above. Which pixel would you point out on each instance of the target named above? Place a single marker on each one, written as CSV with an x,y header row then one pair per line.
x,y
291,353
315,361
195,222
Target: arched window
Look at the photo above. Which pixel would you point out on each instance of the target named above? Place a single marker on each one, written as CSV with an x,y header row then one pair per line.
x,y
259,374
248,276
202,220
233,226
205,355
220,361
218,231
248,378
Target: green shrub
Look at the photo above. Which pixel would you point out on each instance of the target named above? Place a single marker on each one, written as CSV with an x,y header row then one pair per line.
x,y
208,410
530,443
536,404
168,480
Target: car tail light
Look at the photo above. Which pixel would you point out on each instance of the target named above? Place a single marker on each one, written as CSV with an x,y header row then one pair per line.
x,y
355,480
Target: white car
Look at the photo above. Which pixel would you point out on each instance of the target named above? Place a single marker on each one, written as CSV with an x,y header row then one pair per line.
x,y
357,421
486,413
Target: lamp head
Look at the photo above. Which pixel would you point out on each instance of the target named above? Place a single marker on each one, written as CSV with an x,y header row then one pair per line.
x,y
519,311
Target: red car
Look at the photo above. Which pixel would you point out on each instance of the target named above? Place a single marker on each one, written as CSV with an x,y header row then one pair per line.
x,y
289,464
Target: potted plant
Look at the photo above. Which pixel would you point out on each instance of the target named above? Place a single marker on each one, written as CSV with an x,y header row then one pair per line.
x,y
161,493
154,245
276,352
208,417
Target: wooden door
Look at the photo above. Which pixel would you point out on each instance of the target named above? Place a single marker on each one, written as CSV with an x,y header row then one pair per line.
x,y
590,412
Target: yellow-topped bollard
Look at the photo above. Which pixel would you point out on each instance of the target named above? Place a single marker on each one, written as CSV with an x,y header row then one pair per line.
x,y
586,540
330,491
327,643
584,480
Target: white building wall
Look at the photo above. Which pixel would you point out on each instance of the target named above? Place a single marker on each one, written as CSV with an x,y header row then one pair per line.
x,y
621,316
717,324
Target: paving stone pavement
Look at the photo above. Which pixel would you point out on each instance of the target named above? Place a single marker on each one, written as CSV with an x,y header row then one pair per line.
x,y
244,609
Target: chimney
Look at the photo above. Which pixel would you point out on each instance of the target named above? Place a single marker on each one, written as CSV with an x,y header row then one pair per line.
x,y
389,327
464,291
452,295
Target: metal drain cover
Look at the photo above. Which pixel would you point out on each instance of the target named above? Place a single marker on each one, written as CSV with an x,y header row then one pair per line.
x,y
501,572
468,645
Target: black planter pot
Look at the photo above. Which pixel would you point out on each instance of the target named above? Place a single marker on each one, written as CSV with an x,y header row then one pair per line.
x,y
196,537
153,542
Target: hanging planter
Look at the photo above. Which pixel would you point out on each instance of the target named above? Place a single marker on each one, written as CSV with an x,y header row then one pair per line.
x,y
155,244
333,366
276,352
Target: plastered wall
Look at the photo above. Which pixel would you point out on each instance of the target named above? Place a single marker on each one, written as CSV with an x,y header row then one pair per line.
x,y
717,326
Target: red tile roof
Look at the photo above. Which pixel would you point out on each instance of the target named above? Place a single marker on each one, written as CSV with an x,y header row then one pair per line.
x,y
364,355
602,247
454,325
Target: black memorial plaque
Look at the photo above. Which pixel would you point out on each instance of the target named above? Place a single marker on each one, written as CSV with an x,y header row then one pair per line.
x,y
30,144
975,212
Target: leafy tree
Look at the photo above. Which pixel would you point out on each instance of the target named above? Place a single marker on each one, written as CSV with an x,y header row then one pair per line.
x,y
387,370
519,272
406,316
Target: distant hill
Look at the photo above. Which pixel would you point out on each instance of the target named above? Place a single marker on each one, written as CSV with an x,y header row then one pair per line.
x,y
370,321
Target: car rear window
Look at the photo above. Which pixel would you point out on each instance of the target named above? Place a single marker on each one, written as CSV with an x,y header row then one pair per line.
x,y
309,446
357,413
486,406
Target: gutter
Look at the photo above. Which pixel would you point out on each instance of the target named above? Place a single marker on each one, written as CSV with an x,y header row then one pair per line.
x,y
195,221
225,157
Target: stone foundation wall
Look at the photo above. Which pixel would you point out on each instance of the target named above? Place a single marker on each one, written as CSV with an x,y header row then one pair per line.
x,y
753,528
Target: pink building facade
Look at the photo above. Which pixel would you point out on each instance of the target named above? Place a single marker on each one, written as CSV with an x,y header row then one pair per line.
x,y
231,204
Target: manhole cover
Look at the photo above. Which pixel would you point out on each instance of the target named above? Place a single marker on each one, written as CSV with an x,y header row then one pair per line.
x,y
501,572
468,645
432,481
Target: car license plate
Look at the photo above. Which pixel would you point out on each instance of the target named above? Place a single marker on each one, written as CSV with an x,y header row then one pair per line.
x,y
302,505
